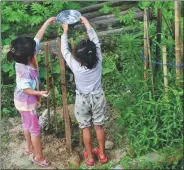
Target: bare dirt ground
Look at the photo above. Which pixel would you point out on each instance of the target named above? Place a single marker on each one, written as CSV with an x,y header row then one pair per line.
x,y
54,147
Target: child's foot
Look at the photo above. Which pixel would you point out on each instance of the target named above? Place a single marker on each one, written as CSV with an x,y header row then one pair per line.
x,y
89,161
102,159
28,152
41,162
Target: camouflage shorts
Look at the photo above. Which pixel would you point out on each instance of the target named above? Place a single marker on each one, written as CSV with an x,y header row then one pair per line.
x,y
90,109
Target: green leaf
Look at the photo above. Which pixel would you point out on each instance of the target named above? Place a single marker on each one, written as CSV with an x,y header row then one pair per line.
x,y
6,67
106,71
57,68
11,73
73,5
42,73
4,27
106,9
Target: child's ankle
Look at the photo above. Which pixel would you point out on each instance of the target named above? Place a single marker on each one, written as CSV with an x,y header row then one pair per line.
x,y
90,156
30,148
39,158
101,155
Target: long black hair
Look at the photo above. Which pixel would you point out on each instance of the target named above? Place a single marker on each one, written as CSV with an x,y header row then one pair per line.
x,y
85,53
22,50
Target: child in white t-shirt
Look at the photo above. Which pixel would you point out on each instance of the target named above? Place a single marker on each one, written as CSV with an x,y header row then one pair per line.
x,y
90,103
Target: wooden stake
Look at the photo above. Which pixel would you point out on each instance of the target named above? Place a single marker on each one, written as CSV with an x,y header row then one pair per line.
x,y
53,91
145,50
177,41
47,80
149,53
165,68
80,131
64,98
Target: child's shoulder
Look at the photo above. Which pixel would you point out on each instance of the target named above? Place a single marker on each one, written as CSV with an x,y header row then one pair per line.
x,y
21,68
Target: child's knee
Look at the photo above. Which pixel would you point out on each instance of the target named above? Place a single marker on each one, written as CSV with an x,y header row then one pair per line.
x,y
98,127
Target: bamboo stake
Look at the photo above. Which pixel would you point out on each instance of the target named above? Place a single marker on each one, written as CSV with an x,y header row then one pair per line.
x,y
165,68
53,91
47,80
64,98
177,41
159,32
149,53
145,50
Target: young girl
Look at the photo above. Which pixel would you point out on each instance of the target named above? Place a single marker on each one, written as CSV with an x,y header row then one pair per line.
x,y
26,96
90,103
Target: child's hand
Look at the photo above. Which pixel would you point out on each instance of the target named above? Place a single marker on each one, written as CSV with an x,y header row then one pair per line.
x,y
40,33
85,22
65,28
50,21
44,93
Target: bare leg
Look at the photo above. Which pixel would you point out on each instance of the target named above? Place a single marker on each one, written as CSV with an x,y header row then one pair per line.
x,y
37,148
87,141
100,134
29,144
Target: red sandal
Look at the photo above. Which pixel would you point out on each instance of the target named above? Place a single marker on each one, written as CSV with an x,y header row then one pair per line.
x,y
89,162
102,160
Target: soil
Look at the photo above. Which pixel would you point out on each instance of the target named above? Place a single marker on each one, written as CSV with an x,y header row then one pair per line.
x,y
54,146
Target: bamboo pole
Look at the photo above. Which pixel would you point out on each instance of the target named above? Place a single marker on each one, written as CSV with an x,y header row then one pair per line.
x,y
165,68
149,54
47,80
159,32
177,41
145,50
53,91
64,99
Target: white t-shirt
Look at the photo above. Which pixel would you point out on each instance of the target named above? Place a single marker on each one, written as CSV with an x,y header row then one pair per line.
x,y
86,80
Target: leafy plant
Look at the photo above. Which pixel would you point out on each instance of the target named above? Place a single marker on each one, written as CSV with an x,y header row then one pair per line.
x,y
27,18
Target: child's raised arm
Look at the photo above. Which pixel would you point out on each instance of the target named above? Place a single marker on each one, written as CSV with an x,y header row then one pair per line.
x,y
92,35
67,55
41,32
